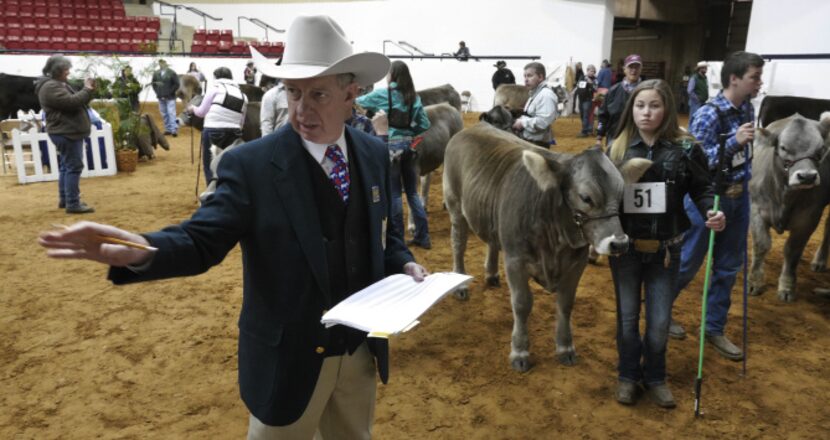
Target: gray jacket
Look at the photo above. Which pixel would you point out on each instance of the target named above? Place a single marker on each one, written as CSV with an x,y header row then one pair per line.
x,y
165,83
66,109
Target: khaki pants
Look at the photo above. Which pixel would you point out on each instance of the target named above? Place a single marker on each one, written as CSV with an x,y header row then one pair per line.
x,y
341,407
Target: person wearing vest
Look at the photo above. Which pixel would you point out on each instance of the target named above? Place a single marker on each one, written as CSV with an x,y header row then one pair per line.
x,y
730,113
67,123
308,205
539,113
652,216
223,108
612,106
698,90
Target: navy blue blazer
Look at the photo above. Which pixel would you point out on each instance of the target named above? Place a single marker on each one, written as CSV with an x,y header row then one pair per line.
x,y
264,201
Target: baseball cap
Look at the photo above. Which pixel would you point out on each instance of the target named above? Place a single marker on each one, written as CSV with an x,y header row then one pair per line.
x,y
633,59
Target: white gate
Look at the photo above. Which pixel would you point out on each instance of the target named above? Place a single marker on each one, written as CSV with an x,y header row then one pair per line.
x,y
31,142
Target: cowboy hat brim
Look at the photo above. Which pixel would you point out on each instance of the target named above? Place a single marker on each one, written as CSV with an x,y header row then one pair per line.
x,y
367,67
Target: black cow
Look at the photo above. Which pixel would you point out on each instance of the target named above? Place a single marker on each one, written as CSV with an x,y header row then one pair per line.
x,y
17,93
774,108
250,129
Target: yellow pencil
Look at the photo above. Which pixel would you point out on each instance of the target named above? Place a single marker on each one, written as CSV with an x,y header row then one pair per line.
x,y
113,240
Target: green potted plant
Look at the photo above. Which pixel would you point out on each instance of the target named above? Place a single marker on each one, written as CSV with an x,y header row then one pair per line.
x,y
126,128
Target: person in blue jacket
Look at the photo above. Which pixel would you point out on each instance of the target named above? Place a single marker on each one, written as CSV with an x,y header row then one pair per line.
x,y
407,120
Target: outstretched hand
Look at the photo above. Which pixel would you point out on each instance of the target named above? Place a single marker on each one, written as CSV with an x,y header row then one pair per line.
x,y
415,270
87,240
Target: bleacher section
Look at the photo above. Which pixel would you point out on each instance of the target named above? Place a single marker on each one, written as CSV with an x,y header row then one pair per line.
x,y
75,26
103,26
221,42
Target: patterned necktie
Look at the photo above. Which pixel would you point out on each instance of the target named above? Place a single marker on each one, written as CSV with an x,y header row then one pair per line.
x,y
339,174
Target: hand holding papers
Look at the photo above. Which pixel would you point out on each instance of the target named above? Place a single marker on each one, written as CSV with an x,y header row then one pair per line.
x,y
393,304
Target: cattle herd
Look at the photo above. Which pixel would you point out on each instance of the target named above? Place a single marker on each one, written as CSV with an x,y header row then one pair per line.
x,y
543,209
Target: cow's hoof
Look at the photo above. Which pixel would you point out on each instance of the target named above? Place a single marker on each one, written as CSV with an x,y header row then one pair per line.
x,y
521,364
756,290
462,294
818,266
567,358
786,296
493,281
593,256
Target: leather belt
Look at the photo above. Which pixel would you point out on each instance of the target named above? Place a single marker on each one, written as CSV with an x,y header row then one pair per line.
x,y
653,246
734,190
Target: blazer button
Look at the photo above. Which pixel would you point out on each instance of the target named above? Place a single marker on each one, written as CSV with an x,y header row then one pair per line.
x,y
320,350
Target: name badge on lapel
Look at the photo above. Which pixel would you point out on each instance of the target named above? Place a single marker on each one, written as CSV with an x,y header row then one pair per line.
x,y
375,194
383,233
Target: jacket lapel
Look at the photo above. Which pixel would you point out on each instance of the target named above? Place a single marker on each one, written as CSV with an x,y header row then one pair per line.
x,y
373,188
293,184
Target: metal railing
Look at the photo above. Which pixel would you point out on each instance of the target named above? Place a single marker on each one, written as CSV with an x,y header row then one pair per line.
x,y
259,23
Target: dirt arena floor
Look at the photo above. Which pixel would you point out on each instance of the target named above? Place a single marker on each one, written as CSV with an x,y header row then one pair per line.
x,y
81,359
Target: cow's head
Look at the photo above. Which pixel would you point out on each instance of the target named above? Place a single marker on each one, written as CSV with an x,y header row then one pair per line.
x,y
186,118
800,145
498,117
592,191
188,88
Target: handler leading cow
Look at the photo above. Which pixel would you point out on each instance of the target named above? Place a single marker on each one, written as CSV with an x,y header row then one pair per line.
x,y
543,209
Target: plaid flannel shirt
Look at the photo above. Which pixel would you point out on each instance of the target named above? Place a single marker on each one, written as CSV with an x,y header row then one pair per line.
x,y
707,126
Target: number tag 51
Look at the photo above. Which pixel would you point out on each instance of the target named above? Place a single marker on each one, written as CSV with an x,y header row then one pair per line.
x,y
645,198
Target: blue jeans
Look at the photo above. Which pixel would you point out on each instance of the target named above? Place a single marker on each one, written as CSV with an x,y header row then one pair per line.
x,y
693,106
70,166
585,108
634,272
167,108
727,257
403,171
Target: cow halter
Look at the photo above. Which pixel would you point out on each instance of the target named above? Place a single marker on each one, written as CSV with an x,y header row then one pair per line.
x,y
581,218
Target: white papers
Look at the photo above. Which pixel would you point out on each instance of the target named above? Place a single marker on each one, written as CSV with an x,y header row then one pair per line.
x,y
393,304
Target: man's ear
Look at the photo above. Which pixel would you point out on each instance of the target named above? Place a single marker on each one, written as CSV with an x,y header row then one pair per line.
x,y
352,91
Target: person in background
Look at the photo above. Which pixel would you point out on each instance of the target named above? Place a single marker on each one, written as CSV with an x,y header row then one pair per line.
x,y
614,102
126,86
648,270
540,109
165,84
585,90
194,71
308,208
604,76
273,112
249,75
407,119
223,108
502,75
730,113
578,75
698,90
463,52
67,123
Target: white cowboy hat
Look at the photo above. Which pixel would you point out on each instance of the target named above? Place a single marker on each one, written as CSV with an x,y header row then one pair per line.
x,y
317,46
701,64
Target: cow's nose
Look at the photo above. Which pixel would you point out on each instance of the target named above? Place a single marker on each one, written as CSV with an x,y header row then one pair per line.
x,y
807,177
618,246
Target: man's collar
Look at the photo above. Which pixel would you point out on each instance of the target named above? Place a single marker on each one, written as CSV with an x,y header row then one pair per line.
x,y
318,151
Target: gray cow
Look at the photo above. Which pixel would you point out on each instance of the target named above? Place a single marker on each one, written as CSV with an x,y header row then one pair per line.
x,y
789,188
437,95
542,208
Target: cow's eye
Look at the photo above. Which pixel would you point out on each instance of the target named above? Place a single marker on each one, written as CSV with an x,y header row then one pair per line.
x,y
586,199
783,149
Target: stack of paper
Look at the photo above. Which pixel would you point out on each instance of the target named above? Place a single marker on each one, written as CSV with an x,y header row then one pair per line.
x,y
393,304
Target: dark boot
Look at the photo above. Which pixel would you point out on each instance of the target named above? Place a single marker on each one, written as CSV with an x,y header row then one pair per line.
x,y
80,208
661,395
627,392
725,347
676,330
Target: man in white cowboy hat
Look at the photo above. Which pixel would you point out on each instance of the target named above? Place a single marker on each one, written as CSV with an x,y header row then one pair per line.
x,y
698,89
309,205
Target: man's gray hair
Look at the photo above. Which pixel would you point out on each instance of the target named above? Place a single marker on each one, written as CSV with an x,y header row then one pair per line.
x,y
55,66
344,79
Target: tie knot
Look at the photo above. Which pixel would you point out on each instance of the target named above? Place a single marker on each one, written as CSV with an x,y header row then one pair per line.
x,y
334,153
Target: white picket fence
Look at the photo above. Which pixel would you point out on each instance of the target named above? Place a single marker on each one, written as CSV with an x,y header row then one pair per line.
x,y
28,144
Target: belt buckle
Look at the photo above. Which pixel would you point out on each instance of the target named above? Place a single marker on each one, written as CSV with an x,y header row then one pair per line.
x,y
734,191
647,246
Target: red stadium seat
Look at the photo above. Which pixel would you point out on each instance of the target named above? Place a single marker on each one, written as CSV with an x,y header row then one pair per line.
x,y
155,23
151,35
226,35
213,35
197,48
54,22
239,47
40,11
14,25
112,32
106,15
68,22
30,32
224,46
58,34
44,44
210,46
111,44
93,14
